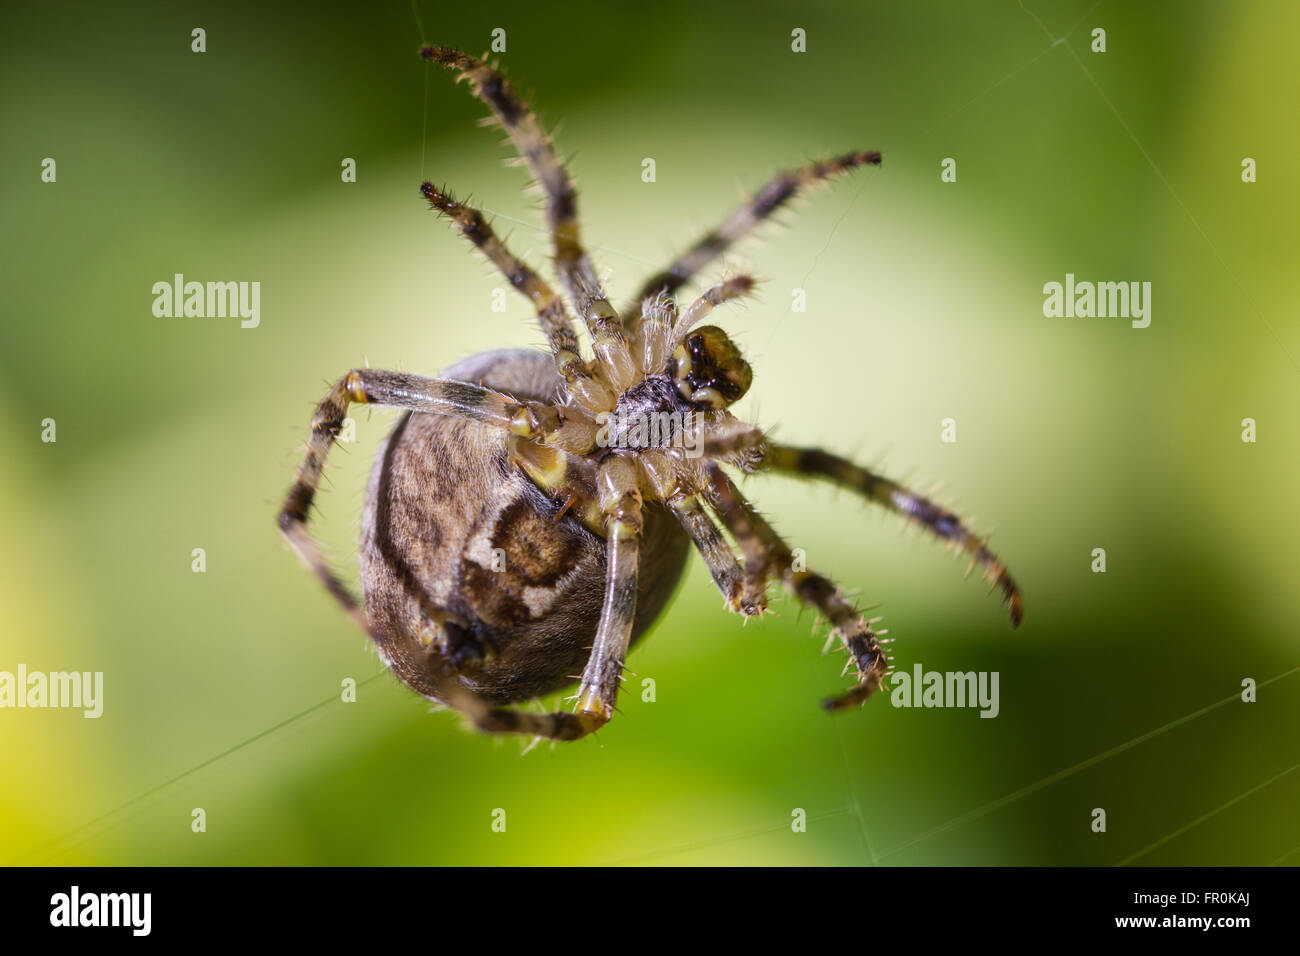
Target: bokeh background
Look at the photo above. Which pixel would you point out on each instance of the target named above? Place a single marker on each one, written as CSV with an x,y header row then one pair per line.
x,y
924,303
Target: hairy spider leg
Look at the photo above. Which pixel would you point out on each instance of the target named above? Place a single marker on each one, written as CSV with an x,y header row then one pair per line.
x,y
759,539
734,288
662,330
412,664
718,557
745,218
620,501
734,442
551,313
561,201
677,483
942,523
649,336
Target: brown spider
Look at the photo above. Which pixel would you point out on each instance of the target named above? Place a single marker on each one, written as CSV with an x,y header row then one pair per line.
x,y
524,504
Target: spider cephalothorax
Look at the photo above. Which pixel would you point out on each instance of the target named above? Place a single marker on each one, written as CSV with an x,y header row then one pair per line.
x,y
529,515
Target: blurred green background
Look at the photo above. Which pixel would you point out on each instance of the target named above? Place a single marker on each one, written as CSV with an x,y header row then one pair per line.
x,y
924,303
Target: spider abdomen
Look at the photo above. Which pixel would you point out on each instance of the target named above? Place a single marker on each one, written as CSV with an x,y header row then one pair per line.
x,y
467,565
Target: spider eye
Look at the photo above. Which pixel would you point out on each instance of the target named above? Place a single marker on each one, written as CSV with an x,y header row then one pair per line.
x,y
709,370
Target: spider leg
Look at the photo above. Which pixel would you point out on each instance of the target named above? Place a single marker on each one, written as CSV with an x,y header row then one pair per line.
x,y
942,523
733,288
411,661
649,335
620,499
745,218
571,260
718,556
395,390
543,423
759,562
551,313
747,596
532,143
660,330
676,483
620,502
415,667
734,442
762,544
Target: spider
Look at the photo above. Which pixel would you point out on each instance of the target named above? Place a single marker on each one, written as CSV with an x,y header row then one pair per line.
x,y
522,527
